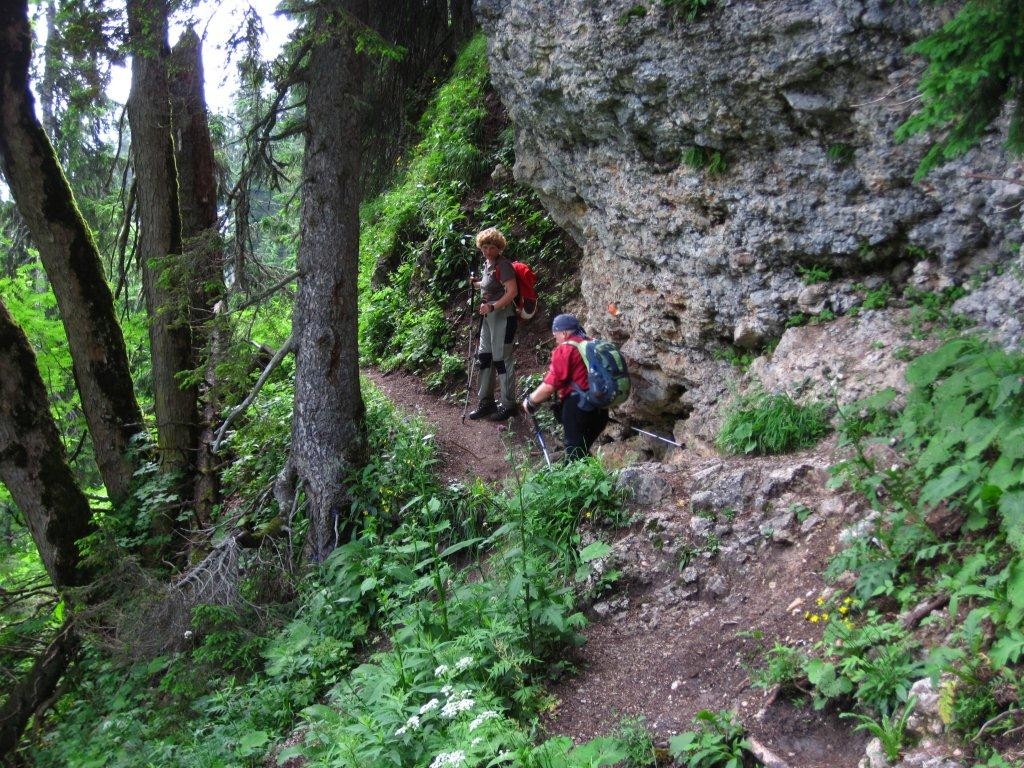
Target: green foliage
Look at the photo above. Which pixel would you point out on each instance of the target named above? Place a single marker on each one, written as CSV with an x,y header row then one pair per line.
x,y
890,730
635,12
424,210
874,661
263,438
719,742
840,153
767,423
813,274
930,309
958,438
563,498
416,245
401,460
734,356
703,158
783,666
688,9
975,66
632,733
877,298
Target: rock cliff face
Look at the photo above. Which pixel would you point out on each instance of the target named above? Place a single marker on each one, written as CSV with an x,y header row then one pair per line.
x,y
704,165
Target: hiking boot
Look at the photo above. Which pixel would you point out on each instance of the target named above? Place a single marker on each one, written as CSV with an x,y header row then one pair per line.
x,y
482,410
503,413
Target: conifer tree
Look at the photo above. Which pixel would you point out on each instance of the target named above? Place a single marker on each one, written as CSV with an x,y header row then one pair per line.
x,y
976,67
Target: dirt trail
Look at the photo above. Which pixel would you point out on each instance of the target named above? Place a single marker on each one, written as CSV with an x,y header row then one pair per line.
x,y
657,647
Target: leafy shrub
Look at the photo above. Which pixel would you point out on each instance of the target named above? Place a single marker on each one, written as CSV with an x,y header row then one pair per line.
x,y
632,733
719,742
783,667
814,274
877,298
766,423
890,730
874,662
561,499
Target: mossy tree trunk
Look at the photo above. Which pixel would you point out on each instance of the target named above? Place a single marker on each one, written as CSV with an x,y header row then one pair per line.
x,y
32,461
203,250
164,277
69,255
329,427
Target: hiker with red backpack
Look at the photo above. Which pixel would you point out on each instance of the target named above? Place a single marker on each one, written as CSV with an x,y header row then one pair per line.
x,y
589,376
497,329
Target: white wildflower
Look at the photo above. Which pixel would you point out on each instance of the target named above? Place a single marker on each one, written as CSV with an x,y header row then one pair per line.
x,y
455,706
443,759
412,724
477,741
447,690
441,670
432,704
463,664
894,468
482,718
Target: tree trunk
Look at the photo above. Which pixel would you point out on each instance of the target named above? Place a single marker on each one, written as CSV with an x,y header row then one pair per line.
x,y
32,463
197,195
329,428
164,281
72,263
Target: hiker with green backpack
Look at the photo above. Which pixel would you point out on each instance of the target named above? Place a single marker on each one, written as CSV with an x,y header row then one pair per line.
x,y
589,376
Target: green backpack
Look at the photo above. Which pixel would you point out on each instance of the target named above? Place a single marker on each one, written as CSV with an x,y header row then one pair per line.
x,y
607,375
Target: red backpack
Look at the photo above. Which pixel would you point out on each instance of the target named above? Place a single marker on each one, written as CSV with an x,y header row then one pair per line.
x,y
526,297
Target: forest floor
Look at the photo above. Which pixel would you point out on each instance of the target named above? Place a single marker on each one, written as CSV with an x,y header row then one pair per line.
x,y
663,646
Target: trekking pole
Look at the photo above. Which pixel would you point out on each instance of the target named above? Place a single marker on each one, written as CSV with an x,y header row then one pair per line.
x,y
658,437
540,438
469,353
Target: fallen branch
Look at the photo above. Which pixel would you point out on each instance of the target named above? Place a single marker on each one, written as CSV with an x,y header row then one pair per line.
x,y
768,758
287,347
28,698
1001,716
913,617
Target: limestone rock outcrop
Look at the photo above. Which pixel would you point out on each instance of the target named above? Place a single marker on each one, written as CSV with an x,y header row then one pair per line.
x,y
705,165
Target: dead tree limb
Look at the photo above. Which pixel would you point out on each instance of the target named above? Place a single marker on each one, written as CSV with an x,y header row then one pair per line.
x,y
767,758
913,617
36,688
287,347
269,292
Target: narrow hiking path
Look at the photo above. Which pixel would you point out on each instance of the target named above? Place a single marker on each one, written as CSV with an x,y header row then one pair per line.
x,y
467,449
699,598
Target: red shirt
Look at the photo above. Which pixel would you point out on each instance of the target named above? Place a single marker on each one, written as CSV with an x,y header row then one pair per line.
x,y
567,367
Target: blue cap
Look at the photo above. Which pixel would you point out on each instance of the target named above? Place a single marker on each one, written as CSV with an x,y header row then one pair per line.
x,y
566,323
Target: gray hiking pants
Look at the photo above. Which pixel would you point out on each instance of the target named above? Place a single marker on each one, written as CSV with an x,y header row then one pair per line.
x,y
497,332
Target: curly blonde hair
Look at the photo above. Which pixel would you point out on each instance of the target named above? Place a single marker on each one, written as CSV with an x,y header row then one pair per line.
x,y
491,236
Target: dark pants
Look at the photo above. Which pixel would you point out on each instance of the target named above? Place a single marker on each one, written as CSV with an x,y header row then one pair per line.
x,y
581,427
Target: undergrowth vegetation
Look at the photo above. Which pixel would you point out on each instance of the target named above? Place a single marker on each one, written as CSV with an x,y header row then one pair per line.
x,y
417,244
473,588
945,472
761,422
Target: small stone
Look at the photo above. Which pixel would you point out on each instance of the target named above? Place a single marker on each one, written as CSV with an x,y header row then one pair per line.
x,y
718,587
